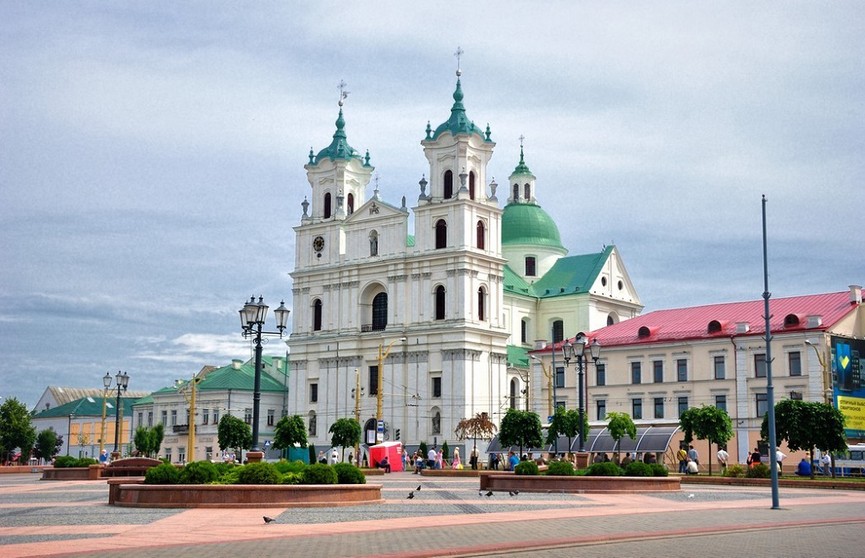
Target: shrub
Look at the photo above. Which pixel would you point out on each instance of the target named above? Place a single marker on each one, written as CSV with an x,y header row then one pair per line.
x,y
258,473
319,473
606,469
658,470
758,471
638,469
284,466
291,478
346,473
165,473
735,471
229,476
223,468
526,468
560,468
199,472
63,461
85,462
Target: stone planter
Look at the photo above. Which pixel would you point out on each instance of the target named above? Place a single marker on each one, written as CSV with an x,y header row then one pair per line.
x,y
92,472
127,493
507,482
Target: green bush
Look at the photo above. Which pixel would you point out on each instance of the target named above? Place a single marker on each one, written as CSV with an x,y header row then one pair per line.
x,y
658,470
230,476
85,462
736,471
291,478
346,473
63,461
526,468
606,469
560,468
758,471
258,473
319,473
296,466
223,468
165,473
199,472
638,469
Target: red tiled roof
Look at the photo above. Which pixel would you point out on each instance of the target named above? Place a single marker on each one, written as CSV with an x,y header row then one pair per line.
x,y
679,324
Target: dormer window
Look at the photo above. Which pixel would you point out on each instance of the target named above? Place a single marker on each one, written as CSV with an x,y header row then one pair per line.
x,y
644,332
791,320
714,326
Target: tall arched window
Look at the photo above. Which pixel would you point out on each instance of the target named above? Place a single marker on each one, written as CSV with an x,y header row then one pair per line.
x,y
316,315
481,235
379,312
373,243
472,185
515,388
350,203
482,297
516,192
327,205
558,331
528,191
524,331
449,185
530,266
440,303
441,234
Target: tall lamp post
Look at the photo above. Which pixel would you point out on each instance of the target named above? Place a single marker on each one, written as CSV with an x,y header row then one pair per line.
x,y
379,418
106,383
122,382
577,350
252,317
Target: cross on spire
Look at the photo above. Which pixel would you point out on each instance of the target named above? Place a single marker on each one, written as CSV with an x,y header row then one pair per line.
x,y
459,54
342,92
522,137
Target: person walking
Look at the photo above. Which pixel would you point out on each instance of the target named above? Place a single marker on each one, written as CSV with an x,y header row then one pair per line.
x,y
474,458
456,463
682,455
723,456
779,458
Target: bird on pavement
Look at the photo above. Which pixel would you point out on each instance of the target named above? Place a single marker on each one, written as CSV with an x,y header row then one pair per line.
x,y
410,495
690,496
268,519
480,493
514,492
489,493
418,488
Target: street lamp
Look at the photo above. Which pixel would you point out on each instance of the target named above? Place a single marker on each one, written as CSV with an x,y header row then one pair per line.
x,y
252,317
379,419
577,350
122,382
106,383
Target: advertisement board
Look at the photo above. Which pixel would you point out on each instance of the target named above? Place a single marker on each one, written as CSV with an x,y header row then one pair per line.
x,y
847,385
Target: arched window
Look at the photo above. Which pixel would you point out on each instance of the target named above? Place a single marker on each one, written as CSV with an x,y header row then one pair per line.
x,y
379,312
611,320
528,191
441,234
312,423
440,303
482,296
373,243
558,331
481,235
472,185
350,203
316,315
327,205
436,422
530,266
516,192
513,395
449,185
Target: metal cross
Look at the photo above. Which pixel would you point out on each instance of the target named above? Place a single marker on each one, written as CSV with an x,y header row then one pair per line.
x,y
342,92
458,54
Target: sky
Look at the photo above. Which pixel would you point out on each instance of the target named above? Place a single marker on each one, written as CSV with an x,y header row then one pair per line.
x,y
151,153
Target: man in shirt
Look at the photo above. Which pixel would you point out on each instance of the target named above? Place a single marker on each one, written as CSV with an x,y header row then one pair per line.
x,y
693,455
723,456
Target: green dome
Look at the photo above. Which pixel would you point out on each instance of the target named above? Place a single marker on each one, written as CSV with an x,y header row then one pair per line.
x,y
527,223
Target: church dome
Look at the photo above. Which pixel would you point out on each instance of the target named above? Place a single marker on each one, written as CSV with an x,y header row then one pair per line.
x,y
528,223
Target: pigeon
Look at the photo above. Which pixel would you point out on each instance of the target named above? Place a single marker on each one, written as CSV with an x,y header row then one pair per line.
x,y
418,488
489,493
268,519
690,496
480,493
410,495
514,492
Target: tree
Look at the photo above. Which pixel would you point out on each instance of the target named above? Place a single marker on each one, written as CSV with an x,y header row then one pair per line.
x,y
290,431
148,440
479,426
620,424
807,425
46,444
234,433
346,434
566,422
521,428
16,429
707,423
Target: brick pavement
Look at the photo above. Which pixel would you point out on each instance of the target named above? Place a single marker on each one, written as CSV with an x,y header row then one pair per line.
x,y
446,518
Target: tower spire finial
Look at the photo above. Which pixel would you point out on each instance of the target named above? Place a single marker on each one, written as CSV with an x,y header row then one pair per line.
x,y
342,92
459,54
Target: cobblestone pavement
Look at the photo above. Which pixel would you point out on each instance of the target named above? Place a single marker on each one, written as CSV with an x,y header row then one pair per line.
x,y
447,517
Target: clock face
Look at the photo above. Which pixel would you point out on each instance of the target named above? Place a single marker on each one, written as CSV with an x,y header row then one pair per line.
x,y
318,244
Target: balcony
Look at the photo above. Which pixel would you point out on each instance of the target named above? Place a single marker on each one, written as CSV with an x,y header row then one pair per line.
x,y
180,429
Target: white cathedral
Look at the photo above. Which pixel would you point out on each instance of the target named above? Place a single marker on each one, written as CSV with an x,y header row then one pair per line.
x,y
451,309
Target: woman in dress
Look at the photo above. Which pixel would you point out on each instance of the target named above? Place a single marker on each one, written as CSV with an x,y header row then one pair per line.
x,y
456,464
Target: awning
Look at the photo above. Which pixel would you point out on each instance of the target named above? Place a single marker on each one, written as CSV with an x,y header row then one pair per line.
x,y
649,439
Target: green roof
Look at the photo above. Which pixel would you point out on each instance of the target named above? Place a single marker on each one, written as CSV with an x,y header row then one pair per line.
x,y
241,378
573,274
528,223
522,169
518,356
339,147
514,283
88,407
459,122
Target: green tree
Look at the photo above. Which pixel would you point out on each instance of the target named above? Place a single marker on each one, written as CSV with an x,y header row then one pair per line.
x,y
620,424
566,422
16,429
46,444
521,428
707,422
807,425
234,433
290,431
445,450
346,433
148,440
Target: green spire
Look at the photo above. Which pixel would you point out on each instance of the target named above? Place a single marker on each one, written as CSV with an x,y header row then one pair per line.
x,y
458,123
339,147
522,168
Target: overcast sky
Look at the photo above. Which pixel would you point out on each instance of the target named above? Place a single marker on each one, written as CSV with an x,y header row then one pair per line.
x,y
151,156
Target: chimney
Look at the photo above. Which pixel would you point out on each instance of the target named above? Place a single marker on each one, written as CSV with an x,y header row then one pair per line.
x,y
743,327
236,363
855,294
814,321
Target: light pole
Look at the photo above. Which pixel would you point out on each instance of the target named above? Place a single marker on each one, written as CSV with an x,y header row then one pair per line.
x,y
252,317
379,419
106,383
356,393
122,382
549,378
577,350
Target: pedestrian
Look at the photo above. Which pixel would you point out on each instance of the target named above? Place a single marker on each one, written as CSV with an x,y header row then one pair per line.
x,y
440,460
693,455
474,458
456,463
779,458
404,459
693,467
754,459
804,468
495,460
431,458
351,457
513,461
321,457
682,455
103,458
826,462
723,457
384,464
334,456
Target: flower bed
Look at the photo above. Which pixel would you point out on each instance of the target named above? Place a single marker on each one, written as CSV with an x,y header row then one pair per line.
x,y
508,482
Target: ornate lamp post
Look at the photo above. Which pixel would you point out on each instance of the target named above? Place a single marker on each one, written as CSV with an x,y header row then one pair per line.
x,y
577,350
122,382
252,317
